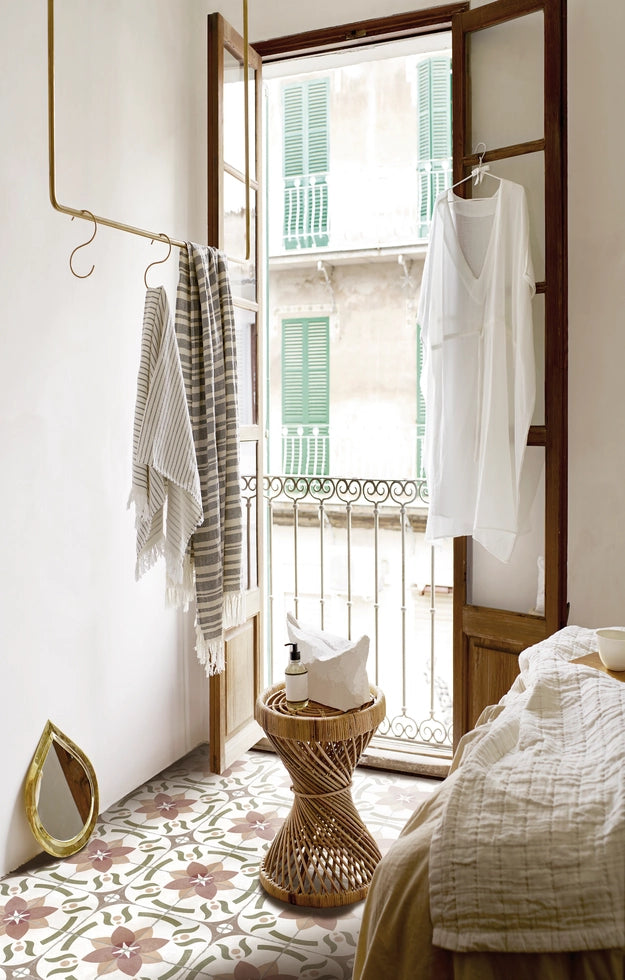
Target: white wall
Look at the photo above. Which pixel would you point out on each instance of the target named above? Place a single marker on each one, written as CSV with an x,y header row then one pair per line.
x,y
596,316
81,643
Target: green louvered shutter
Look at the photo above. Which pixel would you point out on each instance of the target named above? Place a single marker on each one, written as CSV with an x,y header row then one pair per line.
x,y
305,396
306,163
294,163
433,134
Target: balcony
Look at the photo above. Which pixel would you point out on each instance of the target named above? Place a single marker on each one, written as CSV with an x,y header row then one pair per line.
x,y
306,211
306,449
348,555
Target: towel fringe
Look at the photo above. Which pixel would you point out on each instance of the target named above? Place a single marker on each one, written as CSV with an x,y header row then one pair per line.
x,y
148,558
139,498
179,594
210,653
233,609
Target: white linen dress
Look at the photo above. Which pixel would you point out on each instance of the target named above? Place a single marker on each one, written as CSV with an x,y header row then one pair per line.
x,y
478,379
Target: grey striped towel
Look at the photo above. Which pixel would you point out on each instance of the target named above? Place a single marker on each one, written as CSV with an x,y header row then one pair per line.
x,y
205,331
165,481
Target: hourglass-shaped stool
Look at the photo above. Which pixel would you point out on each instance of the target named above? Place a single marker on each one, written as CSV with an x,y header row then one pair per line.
x,y
323,855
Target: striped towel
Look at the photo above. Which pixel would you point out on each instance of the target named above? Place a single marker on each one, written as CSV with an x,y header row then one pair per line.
x,y
205,331
165,481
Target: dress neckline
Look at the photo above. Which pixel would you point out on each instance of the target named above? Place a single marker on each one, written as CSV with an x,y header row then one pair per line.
x,y
467,204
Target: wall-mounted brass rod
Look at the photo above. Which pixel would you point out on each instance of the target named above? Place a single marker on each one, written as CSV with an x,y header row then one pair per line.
x,y
64,209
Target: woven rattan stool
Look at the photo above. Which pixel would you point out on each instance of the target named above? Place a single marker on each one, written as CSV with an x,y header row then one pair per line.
x,y
323,855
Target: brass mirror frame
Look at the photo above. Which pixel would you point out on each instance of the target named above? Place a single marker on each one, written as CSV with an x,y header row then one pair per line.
x,y
53,737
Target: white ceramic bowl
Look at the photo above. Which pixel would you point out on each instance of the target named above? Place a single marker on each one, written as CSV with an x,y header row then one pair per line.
x,y
612,647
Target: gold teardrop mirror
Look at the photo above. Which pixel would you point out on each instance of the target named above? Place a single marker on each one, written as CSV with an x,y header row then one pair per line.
x,y
61,794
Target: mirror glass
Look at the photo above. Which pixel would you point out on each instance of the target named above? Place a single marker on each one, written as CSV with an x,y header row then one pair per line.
x,y
61,794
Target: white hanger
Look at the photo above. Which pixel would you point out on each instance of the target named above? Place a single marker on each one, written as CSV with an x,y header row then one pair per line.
x,y
482,170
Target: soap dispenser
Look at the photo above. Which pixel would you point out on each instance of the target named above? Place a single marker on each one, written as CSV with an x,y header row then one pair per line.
x,y
296,680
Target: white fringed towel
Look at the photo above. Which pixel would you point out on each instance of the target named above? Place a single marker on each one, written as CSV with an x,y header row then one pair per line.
x,y
165,480
205,332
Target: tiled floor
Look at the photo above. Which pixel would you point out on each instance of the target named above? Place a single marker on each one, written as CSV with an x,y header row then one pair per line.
x,y
168,885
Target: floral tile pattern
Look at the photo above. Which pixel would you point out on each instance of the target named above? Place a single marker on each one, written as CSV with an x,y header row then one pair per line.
x,y
167,887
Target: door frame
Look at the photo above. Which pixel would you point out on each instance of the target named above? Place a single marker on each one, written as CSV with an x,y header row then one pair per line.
x,y
483,635
487,641
233,693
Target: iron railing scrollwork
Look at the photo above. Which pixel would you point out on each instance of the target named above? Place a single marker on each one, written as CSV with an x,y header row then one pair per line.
x,y
322,504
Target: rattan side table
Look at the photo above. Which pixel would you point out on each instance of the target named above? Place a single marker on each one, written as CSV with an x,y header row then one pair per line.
x,y
323,855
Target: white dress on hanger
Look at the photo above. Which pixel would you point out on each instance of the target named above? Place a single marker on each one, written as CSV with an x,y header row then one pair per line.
x,y
478,381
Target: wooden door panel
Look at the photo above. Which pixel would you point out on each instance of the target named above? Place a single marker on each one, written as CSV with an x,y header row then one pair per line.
x,y
240,649
232,695
489,669
234,227
487,640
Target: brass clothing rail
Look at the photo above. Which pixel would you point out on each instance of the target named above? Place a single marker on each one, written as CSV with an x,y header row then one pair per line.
x,y
63,208
99,219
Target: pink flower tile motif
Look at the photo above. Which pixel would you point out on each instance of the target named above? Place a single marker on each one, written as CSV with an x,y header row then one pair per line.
x,y
125,950
332,932
126,941
311,965
269,782
18,916
100,855
302,930
400,797
245,958
34,915
202,880
108,861
246,824
306,919
168,812
248,961
196,882
165,806
255,824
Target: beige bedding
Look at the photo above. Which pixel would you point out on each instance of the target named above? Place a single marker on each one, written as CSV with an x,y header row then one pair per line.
x,y
396,934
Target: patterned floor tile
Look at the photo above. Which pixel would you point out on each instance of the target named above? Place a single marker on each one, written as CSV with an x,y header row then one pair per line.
x,y
166,807
311,965
126,940
198,884
303,928
250,958
248,824
34,915
393,799
265,780
109,861
168,886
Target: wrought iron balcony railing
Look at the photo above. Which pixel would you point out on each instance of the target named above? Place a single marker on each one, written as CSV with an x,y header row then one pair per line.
x,y
348,556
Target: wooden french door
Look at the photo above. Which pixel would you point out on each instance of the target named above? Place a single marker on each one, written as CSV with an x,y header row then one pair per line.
x,y
234,226
513,53
509,70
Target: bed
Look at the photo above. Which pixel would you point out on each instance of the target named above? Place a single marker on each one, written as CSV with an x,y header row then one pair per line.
x,y
515,866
